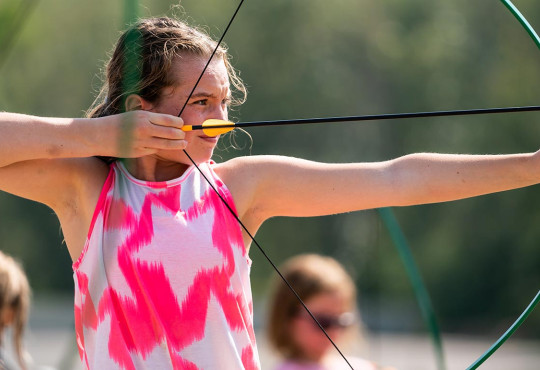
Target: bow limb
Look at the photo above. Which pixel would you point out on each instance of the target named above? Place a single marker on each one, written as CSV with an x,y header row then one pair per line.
x,y
420,290
507,334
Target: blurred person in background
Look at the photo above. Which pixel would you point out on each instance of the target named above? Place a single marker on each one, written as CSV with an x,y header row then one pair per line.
x,y
330,294
14,309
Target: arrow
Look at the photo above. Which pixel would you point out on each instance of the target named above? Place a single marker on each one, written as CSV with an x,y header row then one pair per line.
x,y
215,127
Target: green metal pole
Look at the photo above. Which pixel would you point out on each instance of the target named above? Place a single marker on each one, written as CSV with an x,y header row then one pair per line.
x,y
131,11
422,295
131,72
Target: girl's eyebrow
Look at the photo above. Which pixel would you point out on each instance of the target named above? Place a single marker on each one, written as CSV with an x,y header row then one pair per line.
x,y
203,94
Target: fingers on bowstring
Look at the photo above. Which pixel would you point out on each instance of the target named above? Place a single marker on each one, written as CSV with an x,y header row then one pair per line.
x,y
166,144
149,131
166,120
149,124
164,132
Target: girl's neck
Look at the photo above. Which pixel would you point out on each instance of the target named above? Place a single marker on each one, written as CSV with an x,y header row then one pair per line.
x,y
153,169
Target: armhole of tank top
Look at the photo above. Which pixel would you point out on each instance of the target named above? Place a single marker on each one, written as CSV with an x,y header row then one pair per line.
x,y
229,195
99,207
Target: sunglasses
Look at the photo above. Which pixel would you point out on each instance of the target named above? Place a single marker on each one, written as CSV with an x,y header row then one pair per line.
x,y
342,321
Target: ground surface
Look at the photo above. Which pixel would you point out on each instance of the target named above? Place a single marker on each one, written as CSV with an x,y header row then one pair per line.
x,y
51,341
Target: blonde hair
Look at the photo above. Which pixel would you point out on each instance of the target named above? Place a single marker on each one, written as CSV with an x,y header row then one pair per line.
x,y
310,275
143,58
14,296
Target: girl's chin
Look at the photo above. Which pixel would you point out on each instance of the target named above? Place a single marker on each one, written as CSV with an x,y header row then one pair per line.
x,y
181,156
188,158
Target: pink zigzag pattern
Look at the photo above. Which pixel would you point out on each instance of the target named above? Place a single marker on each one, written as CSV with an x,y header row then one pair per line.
x,y
154,315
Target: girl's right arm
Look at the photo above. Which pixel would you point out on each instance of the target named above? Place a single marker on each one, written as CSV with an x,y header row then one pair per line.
x,y
42,158
51,160
24,137
45,159
133,134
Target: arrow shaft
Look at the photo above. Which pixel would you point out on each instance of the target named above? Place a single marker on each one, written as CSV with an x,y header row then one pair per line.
x,y
375,117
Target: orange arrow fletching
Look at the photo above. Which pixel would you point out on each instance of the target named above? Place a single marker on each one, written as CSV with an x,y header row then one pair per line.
x,y
212,127
217,127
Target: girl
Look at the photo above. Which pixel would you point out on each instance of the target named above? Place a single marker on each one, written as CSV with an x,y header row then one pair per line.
x,y
161,266
329,292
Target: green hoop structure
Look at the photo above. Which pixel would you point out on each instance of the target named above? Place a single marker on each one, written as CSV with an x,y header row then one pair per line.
x,y
534,36
526,25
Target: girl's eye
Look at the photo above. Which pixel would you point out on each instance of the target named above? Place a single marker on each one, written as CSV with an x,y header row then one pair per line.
x,y
201,102
226,101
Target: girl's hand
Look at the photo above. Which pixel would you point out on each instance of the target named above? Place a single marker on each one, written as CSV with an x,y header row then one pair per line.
x,y
139,133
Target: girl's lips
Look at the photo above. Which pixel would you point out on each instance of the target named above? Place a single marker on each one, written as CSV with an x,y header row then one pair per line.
x,y
212,139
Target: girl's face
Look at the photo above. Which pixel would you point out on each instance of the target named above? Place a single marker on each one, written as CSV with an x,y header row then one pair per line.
x,y
328,308
209,100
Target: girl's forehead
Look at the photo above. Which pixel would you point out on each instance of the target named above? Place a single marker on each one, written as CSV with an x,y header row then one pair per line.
x,y
187,69
329,301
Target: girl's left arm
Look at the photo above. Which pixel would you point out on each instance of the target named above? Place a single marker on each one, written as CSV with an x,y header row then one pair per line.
x,y
268,186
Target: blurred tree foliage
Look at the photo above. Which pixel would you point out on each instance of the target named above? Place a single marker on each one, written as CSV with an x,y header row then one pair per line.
x,y
306,58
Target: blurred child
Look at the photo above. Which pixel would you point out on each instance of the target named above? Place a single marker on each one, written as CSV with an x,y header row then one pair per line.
x,y
329,292
14,306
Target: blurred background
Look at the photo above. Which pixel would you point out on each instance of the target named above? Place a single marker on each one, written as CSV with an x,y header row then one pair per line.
x,y
480,258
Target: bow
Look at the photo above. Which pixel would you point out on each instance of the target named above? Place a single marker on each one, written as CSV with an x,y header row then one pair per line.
x,y
386,215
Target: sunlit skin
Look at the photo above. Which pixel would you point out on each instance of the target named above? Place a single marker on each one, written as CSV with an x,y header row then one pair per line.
x,y
209,101
308,336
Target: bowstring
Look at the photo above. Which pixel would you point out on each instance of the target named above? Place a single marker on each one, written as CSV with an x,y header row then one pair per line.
x,y
232,211
211,57
270,261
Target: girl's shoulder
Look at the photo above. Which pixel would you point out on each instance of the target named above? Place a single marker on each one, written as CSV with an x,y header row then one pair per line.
x,y
255,165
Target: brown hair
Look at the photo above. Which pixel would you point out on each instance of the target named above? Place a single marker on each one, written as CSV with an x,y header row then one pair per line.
x,y
142,59
310,275
14,296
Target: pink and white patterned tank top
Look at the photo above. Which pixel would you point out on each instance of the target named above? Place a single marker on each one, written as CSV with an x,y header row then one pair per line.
x,y
163,280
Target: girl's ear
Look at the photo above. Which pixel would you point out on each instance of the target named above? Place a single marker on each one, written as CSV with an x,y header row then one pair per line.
x,y
135,102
